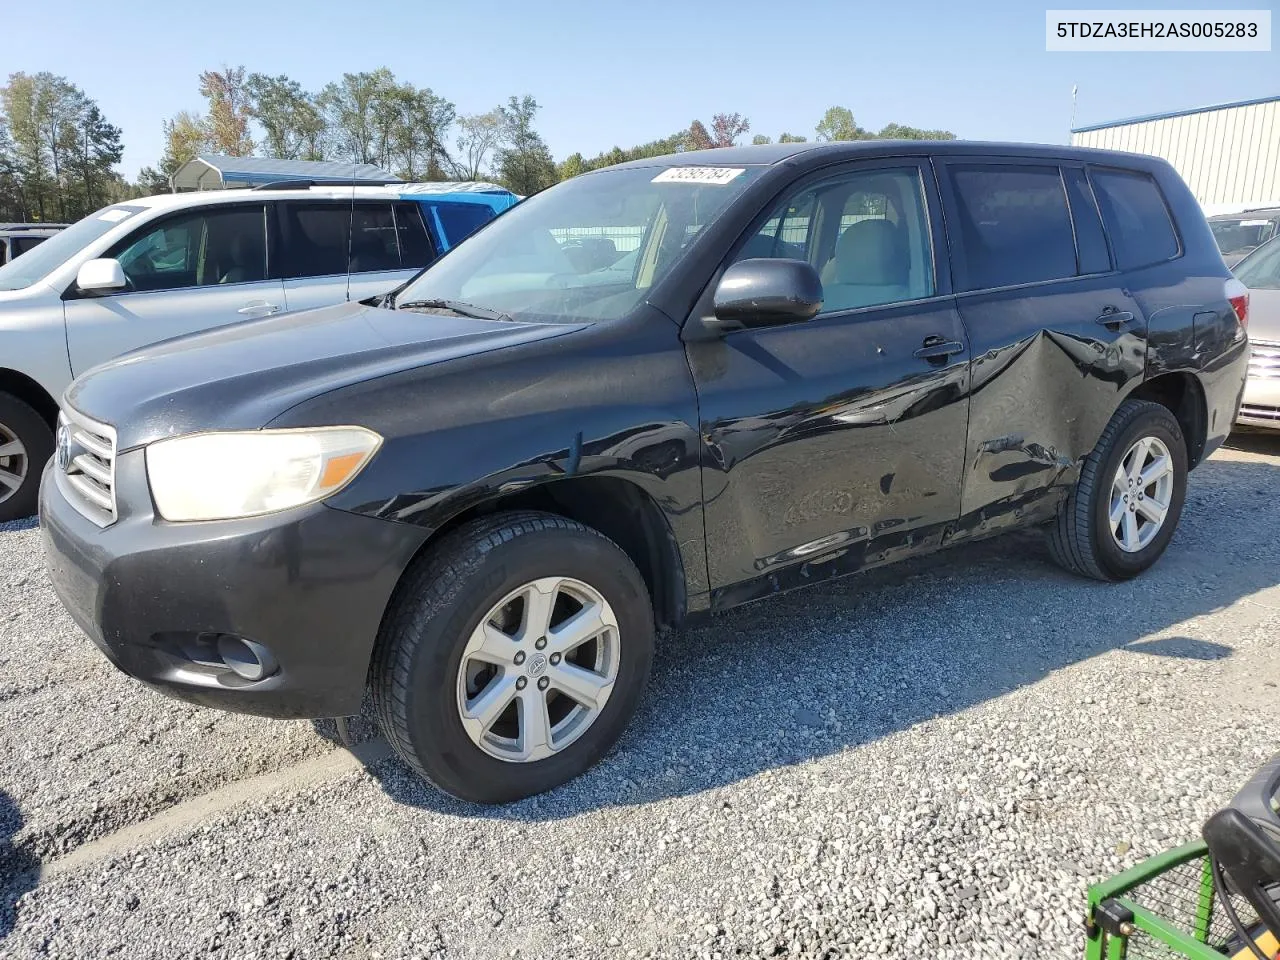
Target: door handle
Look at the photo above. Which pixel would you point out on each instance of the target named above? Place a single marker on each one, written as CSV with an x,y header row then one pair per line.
x,y
1111,317
936,349
259,309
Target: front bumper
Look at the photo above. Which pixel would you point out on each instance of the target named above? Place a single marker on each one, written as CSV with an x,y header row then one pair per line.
x,y
309,584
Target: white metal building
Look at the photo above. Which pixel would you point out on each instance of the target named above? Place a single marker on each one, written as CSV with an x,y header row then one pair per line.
x,y
1229,154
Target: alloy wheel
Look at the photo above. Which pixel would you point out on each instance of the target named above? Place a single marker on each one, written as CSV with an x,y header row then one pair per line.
x,y
14,463
538,670
1141,492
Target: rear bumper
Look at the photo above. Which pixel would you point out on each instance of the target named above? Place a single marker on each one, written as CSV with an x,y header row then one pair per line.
x,y
309,584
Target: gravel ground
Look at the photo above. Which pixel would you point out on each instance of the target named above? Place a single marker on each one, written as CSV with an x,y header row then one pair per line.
x,y
935,757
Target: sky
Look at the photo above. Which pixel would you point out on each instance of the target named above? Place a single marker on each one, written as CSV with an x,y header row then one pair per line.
x,y
609,73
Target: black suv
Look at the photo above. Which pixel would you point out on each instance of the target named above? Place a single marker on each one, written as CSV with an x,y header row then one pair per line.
x,y
649,393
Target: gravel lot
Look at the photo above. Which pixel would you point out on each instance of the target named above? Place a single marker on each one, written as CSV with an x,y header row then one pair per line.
x,y
938,756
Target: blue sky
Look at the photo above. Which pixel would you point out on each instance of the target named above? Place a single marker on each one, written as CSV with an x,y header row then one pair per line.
x,y
609,73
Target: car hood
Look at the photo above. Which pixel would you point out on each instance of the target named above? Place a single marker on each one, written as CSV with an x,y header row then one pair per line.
x,y
242,376
1264,315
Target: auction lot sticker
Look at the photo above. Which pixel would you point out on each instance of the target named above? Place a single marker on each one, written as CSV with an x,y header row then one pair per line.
x,y
721,175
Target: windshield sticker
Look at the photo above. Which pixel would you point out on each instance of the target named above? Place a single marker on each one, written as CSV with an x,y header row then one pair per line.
x,y
1254,223
115,216
720,175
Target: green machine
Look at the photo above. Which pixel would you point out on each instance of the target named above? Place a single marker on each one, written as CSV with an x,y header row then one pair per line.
x,y
1217,897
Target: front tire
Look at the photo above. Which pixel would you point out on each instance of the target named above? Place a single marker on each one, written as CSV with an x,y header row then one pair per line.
x,y
26,444
512,657
1125,507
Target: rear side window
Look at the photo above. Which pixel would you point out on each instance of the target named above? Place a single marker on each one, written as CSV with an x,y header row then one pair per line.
x,y
460,220
1014,225
319,236
1091,242
415,246
1136,217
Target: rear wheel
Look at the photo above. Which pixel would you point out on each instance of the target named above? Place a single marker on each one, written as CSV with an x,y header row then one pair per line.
x,y
513,656
26,444
1125,506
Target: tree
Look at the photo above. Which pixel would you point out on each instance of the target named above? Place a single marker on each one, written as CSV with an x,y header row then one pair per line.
x,y
524,163
727,127
697,138
57,150
792,138
760,139
894,131
184,137
291,122
227,125
416,149
838,124
351,112
480,135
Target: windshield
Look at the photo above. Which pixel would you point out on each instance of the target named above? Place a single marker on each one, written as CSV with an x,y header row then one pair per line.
x,y
1261,269
21,272
588,249
1242,234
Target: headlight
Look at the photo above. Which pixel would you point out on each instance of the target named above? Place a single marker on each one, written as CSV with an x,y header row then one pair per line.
x,y
220,476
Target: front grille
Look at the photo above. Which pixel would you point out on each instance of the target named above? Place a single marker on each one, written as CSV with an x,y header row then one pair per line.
x,y
1259,412
1264,360
86,466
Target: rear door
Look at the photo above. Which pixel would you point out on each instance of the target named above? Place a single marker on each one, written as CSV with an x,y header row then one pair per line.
x,y
1057,338
187,272
334,251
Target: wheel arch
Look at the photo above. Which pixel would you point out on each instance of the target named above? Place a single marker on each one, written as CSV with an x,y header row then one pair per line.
x,y
1183,395
30,392
616,507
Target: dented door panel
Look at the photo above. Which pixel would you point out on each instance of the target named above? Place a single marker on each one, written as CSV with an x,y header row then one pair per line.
x,y
1047,376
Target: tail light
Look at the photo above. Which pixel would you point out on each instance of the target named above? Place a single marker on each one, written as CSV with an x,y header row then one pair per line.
x,y
1238,295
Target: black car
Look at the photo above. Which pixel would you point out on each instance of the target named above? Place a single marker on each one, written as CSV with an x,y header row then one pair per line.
x,y
480,497
18,238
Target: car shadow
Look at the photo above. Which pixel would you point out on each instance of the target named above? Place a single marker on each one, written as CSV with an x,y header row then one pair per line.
x,y
18,868
822,670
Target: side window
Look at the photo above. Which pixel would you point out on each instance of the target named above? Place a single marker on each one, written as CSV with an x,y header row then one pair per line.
x,y
867,234
202,248
1013,223
1091,242
1262,270
374,245
415,245
1136,217
319,236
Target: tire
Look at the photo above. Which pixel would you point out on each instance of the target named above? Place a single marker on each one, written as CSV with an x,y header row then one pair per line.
x,y
1082,538
419,680
20,423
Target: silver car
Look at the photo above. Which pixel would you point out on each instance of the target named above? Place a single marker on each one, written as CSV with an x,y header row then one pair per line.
x,y
1260,272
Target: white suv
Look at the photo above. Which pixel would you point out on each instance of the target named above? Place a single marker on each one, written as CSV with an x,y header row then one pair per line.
x,y
151,269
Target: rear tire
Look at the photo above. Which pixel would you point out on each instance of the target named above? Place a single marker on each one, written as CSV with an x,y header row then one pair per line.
x,y
428,670
1093,536
28,440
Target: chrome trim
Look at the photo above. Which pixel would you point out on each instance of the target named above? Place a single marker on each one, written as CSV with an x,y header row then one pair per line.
x,y
85,468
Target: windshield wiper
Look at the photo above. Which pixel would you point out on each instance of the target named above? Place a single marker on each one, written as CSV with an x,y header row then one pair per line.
x,y
460,307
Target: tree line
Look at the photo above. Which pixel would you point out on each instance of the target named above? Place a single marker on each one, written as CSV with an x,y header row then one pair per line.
x,y
58,154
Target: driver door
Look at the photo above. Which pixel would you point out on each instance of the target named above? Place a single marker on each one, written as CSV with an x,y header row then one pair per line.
x,y
187,272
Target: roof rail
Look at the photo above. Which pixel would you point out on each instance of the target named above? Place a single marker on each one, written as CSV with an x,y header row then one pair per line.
x,y
304,184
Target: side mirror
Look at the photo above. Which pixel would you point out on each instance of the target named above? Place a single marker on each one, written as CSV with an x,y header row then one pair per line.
x,y
762,293
100,276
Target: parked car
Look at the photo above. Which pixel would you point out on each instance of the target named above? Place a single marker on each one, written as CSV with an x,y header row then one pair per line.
x,y
482,496
1239,233
18,238
1260,272
147,270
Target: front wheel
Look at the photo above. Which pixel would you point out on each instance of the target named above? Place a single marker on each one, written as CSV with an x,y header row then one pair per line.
x,y
1125,506
26,444
512,656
